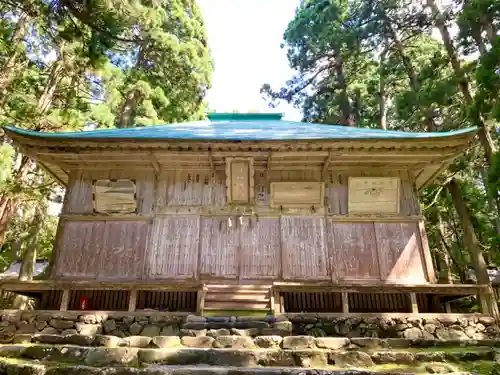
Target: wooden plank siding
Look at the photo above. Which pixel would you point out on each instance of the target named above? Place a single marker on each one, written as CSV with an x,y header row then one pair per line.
x,y
104,250
166,244
354,254
173,248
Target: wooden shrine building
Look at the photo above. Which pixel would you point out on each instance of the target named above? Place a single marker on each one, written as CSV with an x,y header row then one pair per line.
x,y
243,211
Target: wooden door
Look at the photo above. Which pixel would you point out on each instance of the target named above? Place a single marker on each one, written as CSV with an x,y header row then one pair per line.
x,y
259,251
219,249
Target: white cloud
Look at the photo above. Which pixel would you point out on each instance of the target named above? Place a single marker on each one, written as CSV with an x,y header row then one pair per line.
x,y
244,37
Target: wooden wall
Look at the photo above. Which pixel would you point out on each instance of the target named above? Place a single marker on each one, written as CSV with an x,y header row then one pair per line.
x,y
162,244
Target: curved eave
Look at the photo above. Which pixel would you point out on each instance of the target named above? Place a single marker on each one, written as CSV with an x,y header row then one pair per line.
x,y
111,137
452,143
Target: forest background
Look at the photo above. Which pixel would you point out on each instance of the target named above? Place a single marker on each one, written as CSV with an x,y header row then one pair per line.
x,y
388,64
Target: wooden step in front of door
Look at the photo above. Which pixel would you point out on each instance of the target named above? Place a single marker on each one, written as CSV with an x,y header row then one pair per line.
x,y
237,297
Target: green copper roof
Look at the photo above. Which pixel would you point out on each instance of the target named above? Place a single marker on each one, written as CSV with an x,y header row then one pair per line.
x,y
239,127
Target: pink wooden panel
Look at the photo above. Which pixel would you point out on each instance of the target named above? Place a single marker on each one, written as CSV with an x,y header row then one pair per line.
x,y
399,252
260,249
173,248
123,250
77,255
304,248
354,251
219,248
102,250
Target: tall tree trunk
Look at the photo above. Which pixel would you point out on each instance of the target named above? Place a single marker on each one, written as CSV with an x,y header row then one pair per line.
x,y
345,105
489,27
382,105
45,100
441,251
410,70
488,302
12,66
9,203
128,109
132,98
492,203
29,257
464,84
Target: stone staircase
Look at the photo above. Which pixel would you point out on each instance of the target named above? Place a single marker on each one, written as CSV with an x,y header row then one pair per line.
x,y
237,297
60,343
50,354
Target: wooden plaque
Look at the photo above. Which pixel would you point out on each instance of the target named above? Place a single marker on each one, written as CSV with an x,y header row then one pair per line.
x,y
297,194
373,195
240,180
115,196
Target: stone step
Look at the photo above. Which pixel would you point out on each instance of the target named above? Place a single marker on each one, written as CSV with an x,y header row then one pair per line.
x,y
28,367
242,357
249,338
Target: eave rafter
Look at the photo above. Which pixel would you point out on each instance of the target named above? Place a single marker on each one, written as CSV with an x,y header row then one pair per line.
x,y
323,155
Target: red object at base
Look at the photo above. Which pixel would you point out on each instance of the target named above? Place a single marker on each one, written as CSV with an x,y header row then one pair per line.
x,y
84,303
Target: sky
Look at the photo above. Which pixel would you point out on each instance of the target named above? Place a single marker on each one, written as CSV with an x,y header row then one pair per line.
x,y
244,37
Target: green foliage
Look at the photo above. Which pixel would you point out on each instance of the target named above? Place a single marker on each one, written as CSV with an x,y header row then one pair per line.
x,y
69,65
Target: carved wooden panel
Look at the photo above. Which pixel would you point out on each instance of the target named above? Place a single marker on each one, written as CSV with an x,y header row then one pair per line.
x,y
115,196
304,248
220,240
297,194
173,248
399,252
240,180
354,251
374,195
260,248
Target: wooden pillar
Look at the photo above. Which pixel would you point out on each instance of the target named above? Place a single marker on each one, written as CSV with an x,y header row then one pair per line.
x,y
276,301
64,300
132,302
414,303
282,305
345,302
447,307
200,301
426,252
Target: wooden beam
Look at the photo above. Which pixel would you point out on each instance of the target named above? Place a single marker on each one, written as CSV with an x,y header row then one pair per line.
x,y
269,163
40,285
424,245
447,307
414,303
132,300
282,305
382,287
211,161
154,163
200,301
326,164
92,217
345,302
64,300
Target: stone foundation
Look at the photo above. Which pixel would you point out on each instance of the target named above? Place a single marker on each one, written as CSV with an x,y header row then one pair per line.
x,y
444,327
